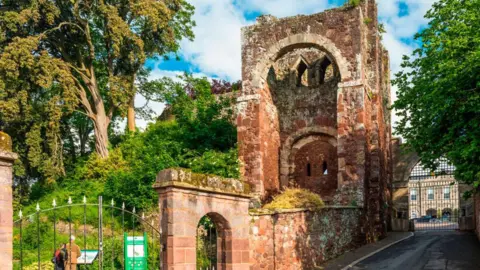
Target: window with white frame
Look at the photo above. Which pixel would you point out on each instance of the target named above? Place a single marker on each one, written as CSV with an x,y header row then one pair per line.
x,y
430,195
413,194
446,193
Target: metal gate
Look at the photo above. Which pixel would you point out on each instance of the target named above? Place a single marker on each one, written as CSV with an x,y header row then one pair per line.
x,y
434,198
96,227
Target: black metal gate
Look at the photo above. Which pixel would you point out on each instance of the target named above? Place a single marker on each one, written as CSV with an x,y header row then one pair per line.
x,y
207,244
91,226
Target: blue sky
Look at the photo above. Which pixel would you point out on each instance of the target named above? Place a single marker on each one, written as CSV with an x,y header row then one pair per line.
x,y
216,50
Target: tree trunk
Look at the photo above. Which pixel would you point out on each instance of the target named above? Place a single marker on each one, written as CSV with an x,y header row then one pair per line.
x,y
131,115
100,128
131,107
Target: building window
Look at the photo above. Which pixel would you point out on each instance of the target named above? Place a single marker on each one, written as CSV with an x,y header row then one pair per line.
x,y
446,193
309,169
413,195
325,168
430,194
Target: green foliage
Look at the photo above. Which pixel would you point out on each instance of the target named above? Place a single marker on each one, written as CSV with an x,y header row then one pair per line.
x,y
129,172
219,163
354,3
381,28
206,243
439,90
367,21
206,118
292,198
59,59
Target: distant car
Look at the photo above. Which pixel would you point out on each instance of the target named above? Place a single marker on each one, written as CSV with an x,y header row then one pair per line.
x,y
423,219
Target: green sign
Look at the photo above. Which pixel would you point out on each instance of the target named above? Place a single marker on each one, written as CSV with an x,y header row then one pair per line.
x,y
136,252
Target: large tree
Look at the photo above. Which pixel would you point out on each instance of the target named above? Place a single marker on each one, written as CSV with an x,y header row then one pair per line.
x,y
439,89
61,56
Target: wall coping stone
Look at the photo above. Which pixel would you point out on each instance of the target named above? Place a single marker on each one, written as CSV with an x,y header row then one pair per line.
x,y
186,179
7,156
266,212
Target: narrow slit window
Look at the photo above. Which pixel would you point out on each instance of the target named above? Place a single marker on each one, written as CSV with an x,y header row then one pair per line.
x,y
309,169
325,168
301,69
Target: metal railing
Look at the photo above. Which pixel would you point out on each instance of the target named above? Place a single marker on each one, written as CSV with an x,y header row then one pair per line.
x,y
37,236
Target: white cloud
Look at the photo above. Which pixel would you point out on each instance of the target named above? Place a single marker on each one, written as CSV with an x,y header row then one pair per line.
x,y
216,49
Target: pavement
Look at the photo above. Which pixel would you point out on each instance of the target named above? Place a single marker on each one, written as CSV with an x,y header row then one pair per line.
x,y
427,250
358,254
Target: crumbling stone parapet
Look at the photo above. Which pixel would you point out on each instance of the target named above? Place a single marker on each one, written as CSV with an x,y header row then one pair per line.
x,y
178,177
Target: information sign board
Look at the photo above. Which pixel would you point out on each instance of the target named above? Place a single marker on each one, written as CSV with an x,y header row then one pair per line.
x,y
87,256
136,252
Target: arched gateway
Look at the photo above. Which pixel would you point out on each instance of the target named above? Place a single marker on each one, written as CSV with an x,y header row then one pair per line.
x,y
185,200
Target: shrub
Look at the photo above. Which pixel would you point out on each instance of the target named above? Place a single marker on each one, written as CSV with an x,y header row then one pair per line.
x,y
292,198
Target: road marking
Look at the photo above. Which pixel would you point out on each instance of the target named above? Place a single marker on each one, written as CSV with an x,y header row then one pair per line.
x,y
376,251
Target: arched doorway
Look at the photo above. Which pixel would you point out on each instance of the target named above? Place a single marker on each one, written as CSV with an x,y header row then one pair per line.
x,y
432,213
314,164
447,214
212,242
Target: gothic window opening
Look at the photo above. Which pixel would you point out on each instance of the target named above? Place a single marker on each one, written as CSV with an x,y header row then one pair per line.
x,y
309,169
325,168
301,70
326,70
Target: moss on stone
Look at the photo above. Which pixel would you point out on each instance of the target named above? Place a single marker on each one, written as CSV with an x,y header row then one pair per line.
x,y
296,198
206,181
5,142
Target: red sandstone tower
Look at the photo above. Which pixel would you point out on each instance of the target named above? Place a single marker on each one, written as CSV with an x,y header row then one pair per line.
x,y
313,112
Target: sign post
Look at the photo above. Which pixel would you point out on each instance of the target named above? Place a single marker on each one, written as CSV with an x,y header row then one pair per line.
x,y
136,252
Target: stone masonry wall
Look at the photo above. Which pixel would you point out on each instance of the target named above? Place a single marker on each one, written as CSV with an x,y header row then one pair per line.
x,y
316,89
301,239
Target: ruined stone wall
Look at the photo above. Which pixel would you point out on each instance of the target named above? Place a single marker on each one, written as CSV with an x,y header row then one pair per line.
x,y
302,239
315,94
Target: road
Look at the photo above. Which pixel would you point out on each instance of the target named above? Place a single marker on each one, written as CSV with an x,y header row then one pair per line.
x,y
430,250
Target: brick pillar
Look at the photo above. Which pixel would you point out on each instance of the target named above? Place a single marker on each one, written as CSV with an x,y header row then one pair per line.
x,y
6,208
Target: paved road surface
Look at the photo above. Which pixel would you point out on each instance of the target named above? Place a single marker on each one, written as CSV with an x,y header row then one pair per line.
x,y
431,250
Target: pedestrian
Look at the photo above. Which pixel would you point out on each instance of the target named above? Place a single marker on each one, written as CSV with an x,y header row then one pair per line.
x,y
73,254
59,257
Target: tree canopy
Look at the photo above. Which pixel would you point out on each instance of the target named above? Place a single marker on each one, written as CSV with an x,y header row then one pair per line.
x,y
439,89
65,56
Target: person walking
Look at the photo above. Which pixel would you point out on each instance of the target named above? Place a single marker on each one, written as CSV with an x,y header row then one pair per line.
x,y
73,254
60,257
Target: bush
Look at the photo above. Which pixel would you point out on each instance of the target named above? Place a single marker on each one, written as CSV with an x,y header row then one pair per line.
x,y
292,198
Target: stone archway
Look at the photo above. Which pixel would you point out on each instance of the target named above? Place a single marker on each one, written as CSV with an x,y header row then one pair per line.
x,y
184,198
302,39
214,240
313,165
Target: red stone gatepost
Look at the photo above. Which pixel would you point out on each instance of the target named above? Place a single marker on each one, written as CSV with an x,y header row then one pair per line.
x,y
184,198
6,209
